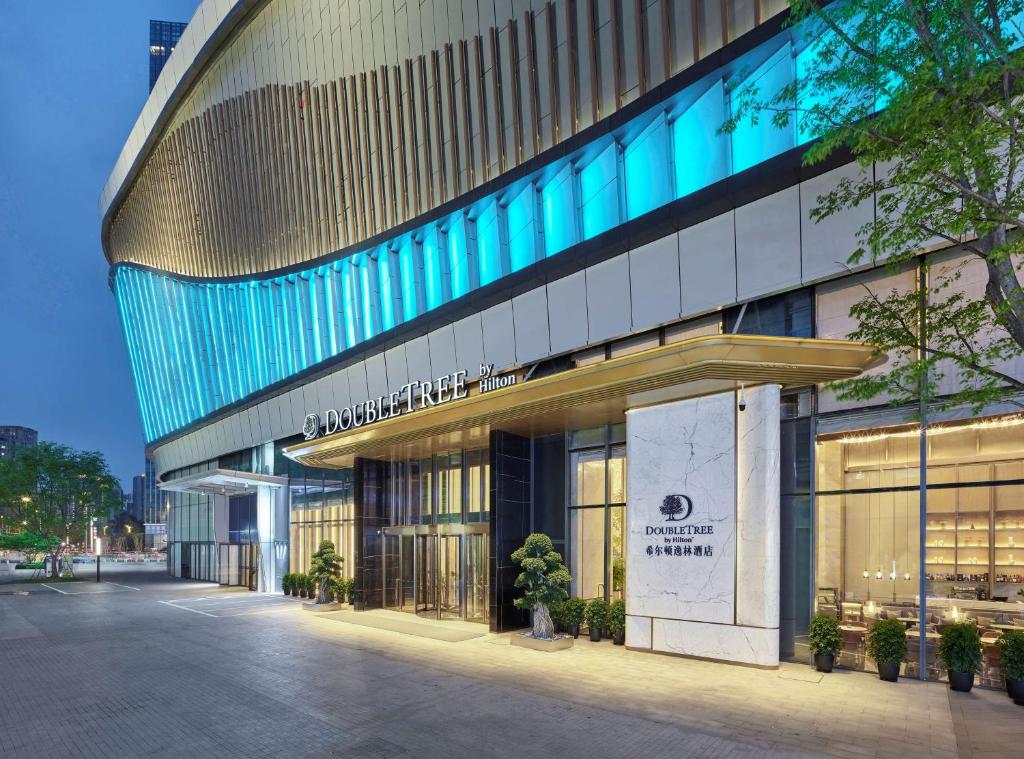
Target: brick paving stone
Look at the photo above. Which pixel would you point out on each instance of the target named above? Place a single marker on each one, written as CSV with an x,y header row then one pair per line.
x,y
120,674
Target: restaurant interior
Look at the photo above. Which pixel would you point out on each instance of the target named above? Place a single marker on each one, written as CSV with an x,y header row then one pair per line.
x,y
867,519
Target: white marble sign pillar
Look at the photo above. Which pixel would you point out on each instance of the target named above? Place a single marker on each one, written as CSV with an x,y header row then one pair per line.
x,y
702,568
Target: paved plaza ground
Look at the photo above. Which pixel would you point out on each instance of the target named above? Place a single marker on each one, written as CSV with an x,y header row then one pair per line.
x,y
144,665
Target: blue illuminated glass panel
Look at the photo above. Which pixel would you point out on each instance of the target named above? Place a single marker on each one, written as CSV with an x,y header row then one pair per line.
x,y
408,267
435,267
648,185
560,215
700,153
460,256
522,231
350,308
754,143
387,298
599,192
489,244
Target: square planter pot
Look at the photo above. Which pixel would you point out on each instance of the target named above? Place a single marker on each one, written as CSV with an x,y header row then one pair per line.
x,y
526,640
333,606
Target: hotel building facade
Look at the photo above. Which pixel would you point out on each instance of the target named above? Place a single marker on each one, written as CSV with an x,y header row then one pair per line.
x,y
422,278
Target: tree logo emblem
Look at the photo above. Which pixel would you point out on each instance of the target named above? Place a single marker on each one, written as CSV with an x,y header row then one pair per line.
x,y
311,427
676,507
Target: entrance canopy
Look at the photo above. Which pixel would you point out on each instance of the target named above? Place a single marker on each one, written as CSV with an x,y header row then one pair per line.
x,y
222,482
588,396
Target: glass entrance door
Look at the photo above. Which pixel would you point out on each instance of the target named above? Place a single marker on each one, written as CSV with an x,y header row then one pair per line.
x,y
426,575
449,601
475,577
399,572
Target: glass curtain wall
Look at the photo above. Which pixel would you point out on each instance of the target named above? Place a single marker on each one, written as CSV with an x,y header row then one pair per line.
x,y
796,543
191,544
597,511
321,508
867,534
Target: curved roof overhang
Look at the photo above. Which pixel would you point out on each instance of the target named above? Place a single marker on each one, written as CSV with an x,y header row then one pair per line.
x,y
210,27
591,395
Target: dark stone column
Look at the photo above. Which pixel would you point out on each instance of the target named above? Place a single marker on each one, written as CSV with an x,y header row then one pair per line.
x,y
510,524
371,518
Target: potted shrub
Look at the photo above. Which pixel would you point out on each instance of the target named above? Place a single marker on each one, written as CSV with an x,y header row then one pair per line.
x,y
617,622
342,588
596,617
310,586
557,611
960,651
1011,660
825,641
300,581
572,612
887,645
286,584
295,584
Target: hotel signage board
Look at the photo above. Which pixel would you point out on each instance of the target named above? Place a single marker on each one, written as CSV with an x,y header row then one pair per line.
x,y
412,396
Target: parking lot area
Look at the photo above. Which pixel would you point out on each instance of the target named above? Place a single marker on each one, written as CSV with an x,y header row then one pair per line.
x,y
232,604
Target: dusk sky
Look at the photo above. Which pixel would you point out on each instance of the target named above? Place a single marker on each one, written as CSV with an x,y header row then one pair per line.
x,y
73,77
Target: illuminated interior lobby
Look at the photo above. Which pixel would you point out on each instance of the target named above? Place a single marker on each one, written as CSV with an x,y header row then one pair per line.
x,y
423,298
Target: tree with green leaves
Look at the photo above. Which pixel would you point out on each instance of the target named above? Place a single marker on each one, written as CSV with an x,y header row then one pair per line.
x,y
926,97
325,566
54,492
544,580
24,542
127,533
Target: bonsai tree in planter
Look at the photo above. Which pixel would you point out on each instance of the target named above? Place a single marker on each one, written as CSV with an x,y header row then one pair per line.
x,y
572,612
617,622
825,641
324,569
960,651
543,580
887,645
1011,660
596,617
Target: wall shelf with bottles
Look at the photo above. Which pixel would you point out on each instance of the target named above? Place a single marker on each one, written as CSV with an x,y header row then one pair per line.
x,y
977,532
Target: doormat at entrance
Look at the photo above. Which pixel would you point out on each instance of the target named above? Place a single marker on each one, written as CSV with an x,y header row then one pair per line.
x,y
435,632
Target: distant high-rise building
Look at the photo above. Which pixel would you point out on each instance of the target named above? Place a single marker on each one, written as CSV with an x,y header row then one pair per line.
x,y
13,437
163,36
138,496
151,511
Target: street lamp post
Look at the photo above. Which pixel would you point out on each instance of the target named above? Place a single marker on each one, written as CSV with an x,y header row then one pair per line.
x,y
98,551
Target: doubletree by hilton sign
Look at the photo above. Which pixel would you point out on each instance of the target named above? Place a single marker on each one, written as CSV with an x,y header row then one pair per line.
x,y
412,396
